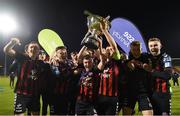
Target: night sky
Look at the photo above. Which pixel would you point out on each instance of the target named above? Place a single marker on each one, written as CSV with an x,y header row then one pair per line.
x,y
153,19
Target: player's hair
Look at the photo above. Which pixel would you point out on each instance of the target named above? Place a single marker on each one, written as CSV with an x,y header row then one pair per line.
x,y
32,42
60,47
154,39
135,43
87,57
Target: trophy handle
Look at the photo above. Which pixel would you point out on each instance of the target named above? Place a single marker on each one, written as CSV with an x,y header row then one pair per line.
x,y
85,36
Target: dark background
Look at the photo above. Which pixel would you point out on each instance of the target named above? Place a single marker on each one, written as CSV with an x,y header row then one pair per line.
x,y
154,19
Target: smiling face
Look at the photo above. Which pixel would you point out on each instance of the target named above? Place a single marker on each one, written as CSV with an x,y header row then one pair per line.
x,y
61,53
155,47
108,52
88,62
33,50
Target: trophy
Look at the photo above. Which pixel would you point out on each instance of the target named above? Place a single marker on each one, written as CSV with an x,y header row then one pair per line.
x,y
94,31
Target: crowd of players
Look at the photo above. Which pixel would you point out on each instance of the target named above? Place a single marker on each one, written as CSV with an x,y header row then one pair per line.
x,y
92,82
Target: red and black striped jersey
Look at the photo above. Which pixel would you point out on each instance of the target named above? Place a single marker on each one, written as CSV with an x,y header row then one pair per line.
x,y
89,85
62,76
109,79
28,73
160,64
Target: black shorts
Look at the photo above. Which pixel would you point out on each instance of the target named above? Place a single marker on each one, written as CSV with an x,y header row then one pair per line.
x,y
84,108
144,102
161,103
23,102
107,105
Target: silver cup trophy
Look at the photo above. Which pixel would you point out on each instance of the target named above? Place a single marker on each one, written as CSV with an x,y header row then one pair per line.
x,y
94,30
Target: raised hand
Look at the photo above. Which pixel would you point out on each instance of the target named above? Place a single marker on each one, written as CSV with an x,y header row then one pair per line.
x,y
15,41
104,25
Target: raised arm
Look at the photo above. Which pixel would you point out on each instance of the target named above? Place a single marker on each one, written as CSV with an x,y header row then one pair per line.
x,y
109,38
80,54
101,55
8,49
